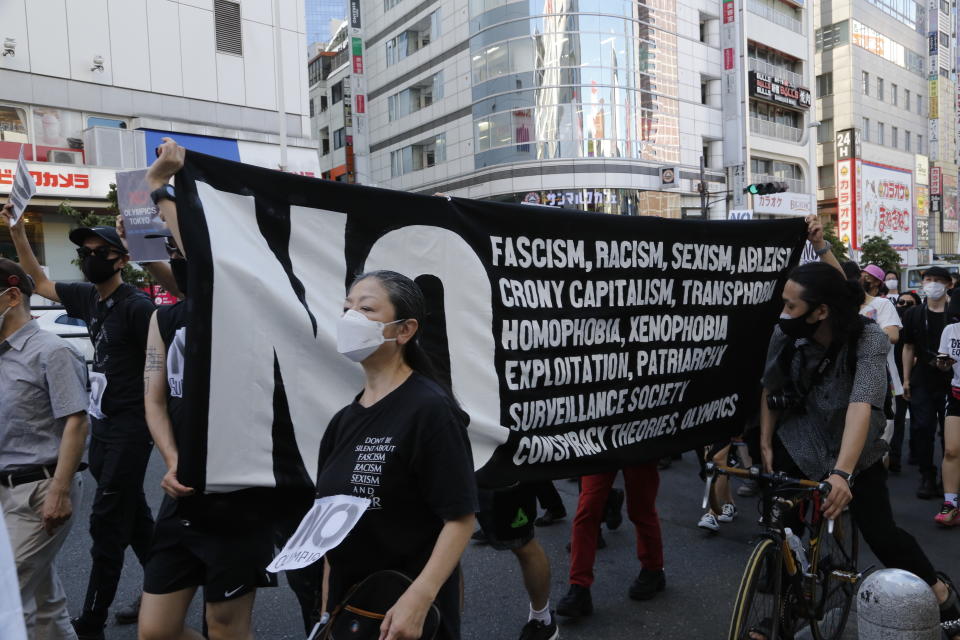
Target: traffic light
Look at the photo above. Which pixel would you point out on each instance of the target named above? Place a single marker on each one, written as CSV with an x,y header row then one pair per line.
x,y
765,188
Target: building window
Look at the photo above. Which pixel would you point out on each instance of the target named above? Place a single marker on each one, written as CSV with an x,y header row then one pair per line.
x,y
825,131
323,103
919,104
865,130
416,37
704,92
228,27
311,108
906,99
324,141
415,157
825,84
893,94
826,176
865,83
390,4
339,138
919,143
894,135
906,140
880,89
415,97
834,35
336,92
880,134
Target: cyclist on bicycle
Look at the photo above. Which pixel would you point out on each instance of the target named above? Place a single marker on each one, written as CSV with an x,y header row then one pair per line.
x,y
822,414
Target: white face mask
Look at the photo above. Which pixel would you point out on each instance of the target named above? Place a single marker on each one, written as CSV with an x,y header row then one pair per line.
x,y
892,284
935,290
358,336
5,311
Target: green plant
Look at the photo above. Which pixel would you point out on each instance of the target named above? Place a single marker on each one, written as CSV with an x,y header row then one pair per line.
x,y
90,218
837,248
877,250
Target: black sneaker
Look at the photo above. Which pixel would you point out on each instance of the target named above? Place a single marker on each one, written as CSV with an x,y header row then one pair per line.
x,y
928,486
536,630
577,603
647,585
612,515
86,631
129,613
549,517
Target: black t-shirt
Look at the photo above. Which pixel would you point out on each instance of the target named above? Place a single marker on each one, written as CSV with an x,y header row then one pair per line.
x,y
409,454
922,329
172,323
118,329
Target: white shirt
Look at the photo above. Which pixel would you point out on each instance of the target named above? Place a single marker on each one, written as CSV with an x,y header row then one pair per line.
x,y
950,345
882,311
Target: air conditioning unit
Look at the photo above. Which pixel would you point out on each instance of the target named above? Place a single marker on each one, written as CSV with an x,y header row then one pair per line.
x,y
57,156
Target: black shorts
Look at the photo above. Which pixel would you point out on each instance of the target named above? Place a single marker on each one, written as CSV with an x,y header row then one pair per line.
x,y
228,562
953,402
507,516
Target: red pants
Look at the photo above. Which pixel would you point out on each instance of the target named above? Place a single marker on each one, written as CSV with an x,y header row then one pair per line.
x,y
641,483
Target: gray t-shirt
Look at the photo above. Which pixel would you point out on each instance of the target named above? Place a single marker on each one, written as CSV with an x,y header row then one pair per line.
x,y
42,381
812,435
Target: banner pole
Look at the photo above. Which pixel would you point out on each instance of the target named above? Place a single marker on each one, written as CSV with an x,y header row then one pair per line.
x,y
281,102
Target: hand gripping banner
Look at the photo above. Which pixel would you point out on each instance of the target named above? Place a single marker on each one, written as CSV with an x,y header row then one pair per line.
x,y
576,342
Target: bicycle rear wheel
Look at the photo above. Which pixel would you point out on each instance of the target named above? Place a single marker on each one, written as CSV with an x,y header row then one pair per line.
x,y
758,600
834,562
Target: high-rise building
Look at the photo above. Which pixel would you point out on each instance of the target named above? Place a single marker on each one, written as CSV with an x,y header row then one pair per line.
x,y
319,14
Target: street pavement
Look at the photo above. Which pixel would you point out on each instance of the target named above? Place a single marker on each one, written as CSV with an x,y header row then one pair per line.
x,y
703,570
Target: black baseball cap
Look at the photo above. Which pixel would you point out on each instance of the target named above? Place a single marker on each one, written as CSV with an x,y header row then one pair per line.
x,y
107,234
937,272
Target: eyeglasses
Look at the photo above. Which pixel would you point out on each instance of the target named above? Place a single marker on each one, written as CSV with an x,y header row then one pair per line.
x,y
904,303
103,252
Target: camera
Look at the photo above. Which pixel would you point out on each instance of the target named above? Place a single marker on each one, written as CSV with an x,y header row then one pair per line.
x,y
784,401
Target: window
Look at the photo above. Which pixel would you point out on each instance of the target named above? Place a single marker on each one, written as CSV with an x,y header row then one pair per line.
x,y
919,143
865,83
893,94
826,176
880,89
703,30
906,140
311,108
323,103
894,134
705,152
944,38
227,26
825,131
881,138
339,138
866,130
919,104
834,35
906,99
415,157
704,92
324,141
97,121
390,4
415,97
825,84
416,37
336,92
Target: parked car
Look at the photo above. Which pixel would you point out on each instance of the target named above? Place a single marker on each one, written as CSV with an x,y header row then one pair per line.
x,y
73,329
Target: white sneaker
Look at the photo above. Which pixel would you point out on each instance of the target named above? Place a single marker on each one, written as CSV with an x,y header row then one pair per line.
x,y
727,513
709,522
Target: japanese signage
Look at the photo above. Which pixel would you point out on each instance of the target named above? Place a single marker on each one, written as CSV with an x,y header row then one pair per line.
x,y
886,208
354,14
773,90
848,144
846,199
571,198
921,219
921,169
936,184
785,204
934,100
357,51
948,217
732,91
60,180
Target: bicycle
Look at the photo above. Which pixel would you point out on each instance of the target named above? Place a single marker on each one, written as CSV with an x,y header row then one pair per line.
x,y
782,586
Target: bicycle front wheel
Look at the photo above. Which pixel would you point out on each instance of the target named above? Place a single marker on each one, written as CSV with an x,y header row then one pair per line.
x,y
757,608
834,563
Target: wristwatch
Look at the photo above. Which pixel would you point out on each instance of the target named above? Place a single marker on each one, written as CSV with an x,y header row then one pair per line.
x,y
843,474
165,192
823,251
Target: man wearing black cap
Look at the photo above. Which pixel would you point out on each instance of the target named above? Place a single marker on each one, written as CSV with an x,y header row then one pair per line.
x,y
117,315
925,386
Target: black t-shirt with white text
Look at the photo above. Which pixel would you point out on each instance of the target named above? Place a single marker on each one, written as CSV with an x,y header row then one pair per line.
x,y
922,329
118,330
409,454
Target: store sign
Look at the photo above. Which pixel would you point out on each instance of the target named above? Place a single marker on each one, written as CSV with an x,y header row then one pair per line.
x,y
886,208
934,99
848,144
936,182
921,169
785,204
732,91
774,90
571,198
357,50
354,14
949,222
65,181
846,200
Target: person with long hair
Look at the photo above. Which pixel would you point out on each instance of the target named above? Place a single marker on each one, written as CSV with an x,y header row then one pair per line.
x,y
424,498
830,362
948,359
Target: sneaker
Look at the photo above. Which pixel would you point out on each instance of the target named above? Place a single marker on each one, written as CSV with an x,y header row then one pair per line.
x,y
536,630
928,486
727,513
613,516
709,522
85,631
748,489
577,603
949,515
549,517
129,613
647,585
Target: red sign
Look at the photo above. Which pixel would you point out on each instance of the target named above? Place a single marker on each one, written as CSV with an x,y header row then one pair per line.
x,y
846,201
160,295
358,64
51,179
729,12
728,62
936,184
361,103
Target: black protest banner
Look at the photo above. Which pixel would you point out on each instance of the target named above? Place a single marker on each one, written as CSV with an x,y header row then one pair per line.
x,y
577,342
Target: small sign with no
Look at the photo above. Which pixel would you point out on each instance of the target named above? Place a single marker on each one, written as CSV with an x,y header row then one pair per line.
x,y
322,529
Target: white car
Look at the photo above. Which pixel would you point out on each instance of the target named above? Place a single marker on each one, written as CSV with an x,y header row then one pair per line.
x,y
74,330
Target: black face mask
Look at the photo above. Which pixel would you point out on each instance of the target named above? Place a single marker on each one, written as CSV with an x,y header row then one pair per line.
x,y
98,270
179,268
799,327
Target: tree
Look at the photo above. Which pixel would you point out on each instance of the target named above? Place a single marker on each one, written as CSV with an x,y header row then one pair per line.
x,y
837,247
877,250
131,273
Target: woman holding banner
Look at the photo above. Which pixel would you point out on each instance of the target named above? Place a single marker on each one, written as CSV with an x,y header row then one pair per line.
x,y
402,444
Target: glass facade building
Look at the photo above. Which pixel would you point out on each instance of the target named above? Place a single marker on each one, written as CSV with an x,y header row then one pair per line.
x,y
319,13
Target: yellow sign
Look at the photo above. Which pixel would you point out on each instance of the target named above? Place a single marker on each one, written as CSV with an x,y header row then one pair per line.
x,y
934,100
